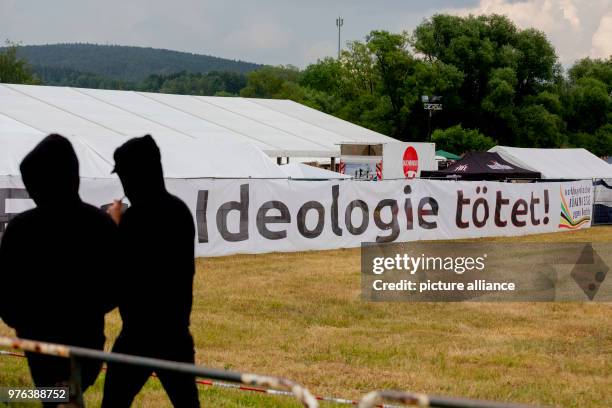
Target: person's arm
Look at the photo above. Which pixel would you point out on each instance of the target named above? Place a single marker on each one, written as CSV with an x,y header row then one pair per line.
x,y
9,312
115,211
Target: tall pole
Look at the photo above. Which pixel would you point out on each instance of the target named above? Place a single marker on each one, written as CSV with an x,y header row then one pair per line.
x,y
339,24
429,127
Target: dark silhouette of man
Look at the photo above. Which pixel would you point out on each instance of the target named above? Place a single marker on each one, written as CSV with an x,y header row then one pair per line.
x,y
157,237
56,265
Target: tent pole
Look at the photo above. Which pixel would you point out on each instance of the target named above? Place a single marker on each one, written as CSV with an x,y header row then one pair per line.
x,y
333,164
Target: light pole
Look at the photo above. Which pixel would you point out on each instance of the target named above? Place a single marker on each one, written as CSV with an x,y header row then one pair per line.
x,y
339,24
431,104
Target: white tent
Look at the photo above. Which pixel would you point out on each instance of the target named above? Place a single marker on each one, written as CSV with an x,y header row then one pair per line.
x,y
557,163
306,172
96,129
280,128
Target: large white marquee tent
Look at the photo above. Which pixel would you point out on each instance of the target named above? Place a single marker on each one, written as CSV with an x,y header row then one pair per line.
x,y
199,136
557,164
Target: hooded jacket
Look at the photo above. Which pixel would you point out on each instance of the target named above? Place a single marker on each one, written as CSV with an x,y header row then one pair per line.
x,y
57,261
157,236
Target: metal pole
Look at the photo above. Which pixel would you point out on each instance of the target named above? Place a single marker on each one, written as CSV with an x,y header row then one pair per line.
x,y
339,24
376,398
300,392
429,126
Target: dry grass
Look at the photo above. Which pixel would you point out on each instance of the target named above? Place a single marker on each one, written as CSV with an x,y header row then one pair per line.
x,y
300,315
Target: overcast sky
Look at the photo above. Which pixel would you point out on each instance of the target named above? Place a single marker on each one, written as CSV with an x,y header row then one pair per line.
x,y
286,31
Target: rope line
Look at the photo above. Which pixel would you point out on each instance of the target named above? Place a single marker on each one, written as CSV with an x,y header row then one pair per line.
x,y
269,391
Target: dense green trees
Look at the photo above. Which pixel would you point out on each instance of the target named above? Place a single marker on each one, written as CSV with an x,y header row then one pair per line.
x,y
498,83
14,70
455,138
272,82
209,84
129,64
495,80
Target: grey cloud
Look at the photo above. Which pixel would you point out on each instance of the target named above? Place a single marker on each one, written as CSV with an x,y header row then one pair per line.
x,y
266,31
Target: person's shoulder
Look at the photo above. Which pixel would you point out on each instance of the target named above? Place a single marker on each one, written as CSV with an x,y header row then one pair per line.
x,y
177,204
22,225
24,218
179,209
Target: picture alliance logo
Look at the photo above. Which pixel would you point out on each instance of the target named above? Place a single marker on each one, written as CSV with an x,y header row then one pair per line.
x,y
411,162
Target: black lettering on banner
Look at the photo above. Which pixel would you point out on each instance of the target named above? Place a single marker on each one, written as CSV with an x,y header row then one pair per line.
x,y
392,225
365,220
480,202
422,213
201,222
334,211
408,209
461,202
470,211
499,203
534,200
242,207
263,219
516,212
301,219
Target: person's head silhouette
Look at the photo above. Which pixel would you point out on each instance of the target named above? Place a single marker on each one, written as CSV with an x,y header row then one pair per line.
x,y
50,173
138,165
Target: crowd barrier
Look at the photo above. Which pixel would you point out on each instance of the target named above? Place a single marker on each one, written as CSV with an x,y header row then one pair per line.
x,y
285,386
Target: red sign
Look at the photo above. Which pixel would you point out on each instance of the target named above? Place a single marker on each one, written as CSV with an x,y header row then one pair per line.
x,y
411,162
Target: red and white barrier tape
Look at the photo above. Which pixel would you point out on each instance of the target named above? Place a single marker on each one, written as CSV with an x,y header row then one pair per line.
x,y
221,384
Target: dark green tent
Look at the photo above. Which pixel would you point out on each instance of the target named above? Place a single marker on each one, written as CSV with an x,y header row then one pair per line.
x,y
447,155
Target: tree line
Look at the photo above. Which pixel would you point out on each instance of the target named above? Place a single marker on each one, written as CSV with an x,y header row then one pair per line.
x,y
498,85
126,63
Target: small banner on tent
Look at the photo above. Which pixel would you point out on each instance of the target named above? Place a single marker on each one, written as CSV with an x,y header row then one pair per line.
x,y
255,216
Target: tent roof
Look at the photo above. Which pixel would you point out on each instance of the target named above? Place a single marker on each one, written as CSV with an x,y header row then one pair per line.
x,y
25,120
307,172
278,127
557,163
482,166
447,155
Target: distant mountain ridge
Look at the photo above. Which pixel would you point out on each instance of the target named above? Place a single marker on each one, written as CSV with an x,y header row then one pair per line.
x,y
126,63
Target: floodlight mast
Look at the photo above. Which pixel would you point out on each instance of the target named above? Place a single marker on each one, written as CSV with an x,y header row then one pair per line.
x,y
431,103
339,24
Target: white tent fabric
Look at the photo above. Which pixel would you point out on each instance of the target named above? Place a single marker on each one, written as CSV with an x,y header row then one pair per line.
x,y
17,139
279,128
98,123
304,171
557,163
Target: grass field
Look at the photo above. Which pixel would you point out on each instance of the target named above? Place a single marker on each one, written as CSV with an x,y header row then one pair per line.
x,y
299,315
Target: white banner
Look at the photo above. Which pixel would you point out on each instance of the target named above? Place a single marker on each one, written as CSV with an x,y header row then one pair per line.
x,y
256,216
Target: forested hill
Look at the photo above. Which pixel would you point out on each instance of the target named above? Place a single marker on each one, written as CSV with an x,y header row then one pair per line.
x,y
126,63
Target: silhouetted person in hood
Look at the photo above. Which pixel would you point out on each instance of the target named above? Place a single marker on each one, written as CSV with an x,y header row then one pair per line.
x,y
157,237
56,265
